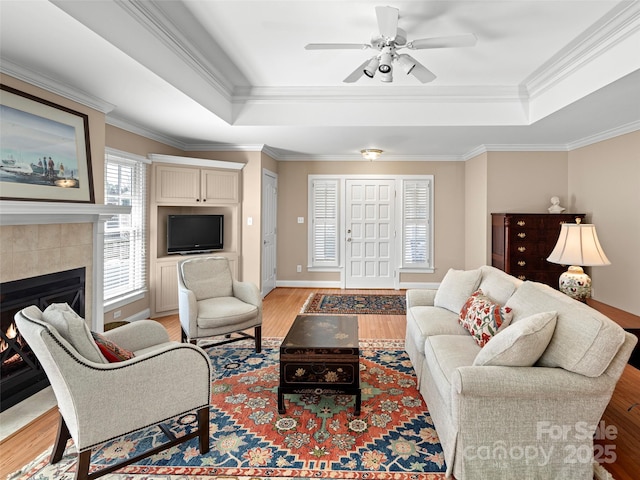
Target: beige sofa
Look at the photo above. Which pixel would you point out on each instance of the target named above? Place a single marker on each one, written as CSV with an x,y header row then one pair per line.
x,y
527,405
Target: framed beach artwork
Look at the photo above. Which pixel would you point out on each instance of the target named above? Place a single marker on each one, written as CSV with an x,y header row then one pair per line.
x,y
44,150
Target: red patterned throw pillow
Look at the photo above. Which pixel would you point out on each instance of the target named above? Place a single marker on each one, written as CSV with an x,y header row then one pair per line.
x,y
110,350
483,318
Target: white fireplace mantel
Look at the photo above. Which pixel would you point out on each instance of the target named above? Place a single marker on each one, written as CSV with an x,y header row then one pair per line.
x,y
40,213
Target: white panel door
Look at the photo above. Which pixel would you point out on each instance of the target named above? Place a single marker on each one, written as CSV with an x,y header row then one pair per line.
x,y
370,234
269,221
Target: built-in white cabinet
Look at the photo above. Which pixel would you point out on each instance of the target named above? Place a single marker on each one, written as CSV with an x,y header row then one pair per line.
x,y
178,189
195,186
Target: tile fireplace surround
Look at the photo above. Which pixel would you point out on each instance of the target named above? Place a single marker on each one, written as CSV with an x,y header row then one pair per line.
x,y
37,238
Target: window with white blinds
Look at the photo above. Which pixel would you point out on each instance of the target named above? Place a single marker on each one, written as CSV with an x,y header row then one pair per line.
x,y
125,255
324,223
416,218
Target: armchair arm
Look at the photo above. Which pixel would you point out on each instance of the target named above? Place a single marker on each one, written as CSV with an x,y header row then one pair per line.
x,y
247,292
138,335
420,296
187,309
112,399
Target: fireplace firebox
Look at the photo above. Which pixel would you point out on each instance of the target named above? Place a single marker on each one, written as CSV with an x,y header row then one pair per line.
x,y
20,373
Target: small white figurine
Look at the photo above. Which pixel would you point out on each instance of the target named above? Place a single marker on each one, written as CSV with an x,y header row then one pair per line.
x,y
555,206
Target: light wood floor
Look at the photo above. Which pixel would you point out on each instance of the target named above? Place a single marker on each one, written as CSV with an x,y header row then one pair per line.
x,y
280,308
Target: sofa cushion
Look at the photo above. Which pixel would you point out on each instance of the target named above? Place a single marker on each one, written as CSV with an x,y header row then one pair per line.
x,y
482,317
425,321
520,344
455,288
444,354
498,285
584,340
74,330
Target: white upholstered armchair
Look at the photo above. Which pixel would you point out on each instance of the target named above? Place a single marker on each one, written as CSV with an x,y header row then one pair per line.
x,y
212,303
99,401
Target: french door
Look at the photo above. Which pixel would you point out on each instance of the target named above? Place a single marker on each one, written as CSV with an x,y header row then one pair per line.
x,y
370,233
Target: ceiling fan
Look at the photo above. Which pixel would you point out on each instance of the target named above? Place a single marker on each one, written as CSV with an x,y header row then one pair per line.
x,y
391,39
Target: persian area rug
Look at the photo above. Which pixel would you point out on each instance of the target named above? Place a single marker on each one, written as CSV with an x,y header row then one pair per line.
x,y
318,437
341,303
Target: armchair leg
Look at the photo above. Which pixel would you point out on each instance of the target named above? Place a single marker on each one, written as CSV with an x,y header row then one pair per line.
x,y
258,335
203,429
82,468
61,440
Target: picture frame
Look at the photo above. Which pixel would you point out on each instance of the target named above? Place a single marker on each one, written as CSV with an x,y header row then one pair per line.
x,y
45,153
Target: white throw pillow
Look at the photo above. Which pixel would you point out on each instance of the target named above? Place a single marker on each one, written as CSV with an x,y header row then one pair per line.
x,y
521,344
455,288
74,330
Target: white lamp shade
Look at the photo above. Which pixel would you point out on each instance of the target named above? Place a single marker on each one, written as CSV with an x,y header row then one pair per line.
x,y
578,245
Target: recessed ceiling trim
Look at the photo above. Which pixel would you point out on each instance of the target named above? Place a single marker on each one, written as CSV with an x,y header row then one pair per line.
x,y
47,83
156,22
612,29
454,94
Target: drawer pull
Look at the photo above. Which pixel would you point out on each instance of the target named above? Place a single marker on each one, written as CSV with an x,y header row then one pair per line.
x,y
522,277
318,369
521,223
522,234
522,263
522,249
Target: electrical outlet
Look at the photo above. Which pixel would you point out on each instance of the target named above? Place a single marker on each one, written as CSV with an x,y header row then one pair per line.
x,y
300,219
117,314
299,268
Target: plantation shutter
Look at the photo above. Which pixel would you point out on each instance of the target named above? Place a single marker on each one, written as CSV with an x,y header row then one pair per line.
x,y
324,223
125,256
416,233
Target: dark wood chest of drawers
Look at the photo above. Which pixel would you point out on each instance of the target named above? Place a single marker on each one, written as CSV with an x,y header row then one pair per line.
x,y
521,243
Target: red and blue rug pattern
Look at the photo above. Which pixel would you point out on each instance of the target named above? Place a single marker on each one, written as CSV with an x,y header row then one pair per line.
x,y
318,437
355,304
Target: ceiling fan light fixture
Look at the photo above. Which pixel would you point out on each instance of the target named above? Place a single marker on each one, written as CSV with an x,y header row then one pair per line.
x,y
407,63
372,66
371,154
385,60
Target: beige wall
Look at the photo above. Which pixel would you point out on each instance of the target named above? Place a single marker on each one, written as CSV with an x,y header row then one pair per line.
x,y
293,203
604,181
477,235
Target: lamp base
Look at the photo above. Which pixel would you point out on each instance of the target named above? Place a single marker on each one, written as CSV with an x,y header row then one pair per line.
x,y
576,284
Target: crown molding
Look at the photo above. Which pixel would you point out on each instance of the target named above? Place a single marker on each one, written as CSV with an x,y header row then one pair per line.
x,y
145,132
47,83
606,135
612,29
357,157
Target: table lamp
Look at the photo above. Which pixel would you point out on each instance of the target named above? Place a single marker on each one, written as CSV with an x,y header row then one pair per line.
x,y
579,247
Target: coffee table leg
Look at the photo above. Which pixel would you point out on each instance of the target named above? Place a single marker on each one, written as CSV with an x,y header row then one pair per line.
x,y
358,403
281,408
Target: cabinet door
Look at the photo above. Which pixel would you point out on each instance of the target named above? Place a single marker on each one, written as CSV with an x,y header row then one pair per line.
x,y
220,187
177,185
166,287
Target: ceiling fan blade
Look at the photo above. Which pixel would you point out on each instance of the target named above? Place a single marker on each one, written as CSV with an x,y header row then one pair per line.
x,y
357,73
422,73
387,21
337,46
467,40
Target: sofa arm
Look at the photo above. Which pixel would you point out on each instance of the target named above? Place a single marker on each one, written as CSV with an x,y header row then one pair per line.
x,y
420,296
529,382
138,335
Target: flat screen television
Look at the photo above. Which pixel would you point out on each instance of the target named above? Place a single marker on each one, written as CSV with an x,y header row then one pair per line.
x,y
194,233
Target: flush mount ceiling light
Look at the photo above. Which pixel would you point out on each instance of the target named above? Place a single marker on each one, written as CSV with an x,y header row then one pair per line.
x,y
371,154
